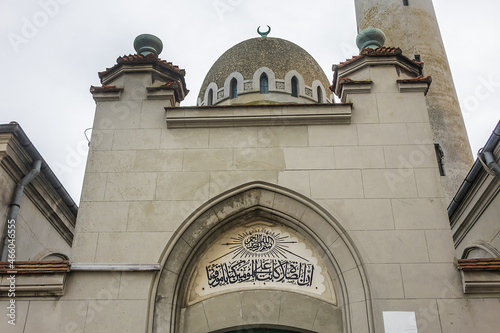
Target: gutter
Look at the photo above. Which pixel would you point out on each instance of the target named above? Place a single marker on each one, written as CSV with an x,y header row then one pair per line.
x,y
16,204
16,129
486,160
487,152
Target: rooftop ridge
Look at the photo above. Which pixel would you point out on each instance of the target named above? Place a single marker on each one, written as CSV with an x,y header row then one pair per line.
x,y
138,59
379,52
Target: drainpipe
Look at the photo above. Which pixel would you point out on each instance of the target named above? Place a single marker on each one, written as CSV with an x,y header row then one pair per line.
x,y
488,164
487,153
16,204
15,128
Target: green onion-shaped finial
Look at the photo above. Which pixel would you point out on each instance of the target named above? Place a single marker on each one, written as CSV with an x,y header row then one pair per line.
x,y
146,43
370,38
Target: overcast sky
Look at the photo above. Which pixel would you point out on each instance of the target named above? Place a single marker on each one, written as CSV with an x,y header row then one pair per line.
x,y
51,51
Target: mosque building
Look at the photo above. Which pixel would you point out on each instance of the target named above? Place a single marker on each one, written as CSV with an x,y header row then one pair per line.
x,y
271,205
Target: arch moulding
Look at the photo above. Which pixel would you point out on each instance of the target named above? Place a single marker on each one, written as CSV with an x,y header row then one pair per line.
x,y
261,201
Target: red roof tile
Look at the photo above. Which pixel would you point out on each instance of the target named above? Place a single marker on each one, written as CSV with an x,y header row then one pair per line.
x,y
379,52
343,63
369,52
172,73
416,79
480,264
347,80
35,267
176,86
137,59
166,86
104,88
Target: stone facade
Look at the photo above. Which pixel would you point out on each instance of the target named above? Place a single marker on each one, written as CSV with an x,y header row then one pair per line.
x,y
363,192
414,28
474,215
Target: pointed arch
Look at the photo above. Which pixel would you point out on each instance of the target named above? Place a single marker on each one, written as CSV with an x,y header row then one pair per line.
x,y
271,78
486,250
233,88
295,86
319,94
264,84
210,94
299,80
210,97
262,200
50,254
232,85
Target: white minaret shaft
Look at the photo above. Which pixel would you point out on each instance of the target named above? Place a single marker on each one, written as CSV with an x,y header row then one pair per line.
x,y
412,26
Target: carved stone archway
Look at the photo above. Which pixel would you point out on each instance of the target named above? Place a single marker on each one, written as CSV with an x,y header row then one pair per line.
x,y
263,201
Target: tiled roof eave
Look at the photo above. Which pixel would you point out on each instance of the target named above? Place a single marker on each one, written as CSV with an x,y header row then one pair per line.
x,y
166,86
418,83
34,267
108,76
370,57
480,264
177,86
139,60
347,80
480,276
160,69
105,89
380,52
417,79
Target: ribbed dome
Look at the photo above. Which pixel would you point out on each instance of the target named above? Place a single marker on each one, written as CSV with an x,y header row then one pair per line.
x,y
279,55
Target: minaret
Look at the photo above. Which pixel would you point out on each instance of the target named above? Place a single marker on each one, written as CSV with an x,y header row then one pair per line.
x,y
412,26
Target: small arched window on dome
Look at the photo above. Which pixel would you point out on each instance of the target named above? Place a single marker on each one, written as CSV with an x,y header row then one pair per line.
x,y
210,98
264,84
320,95
233,88
295,87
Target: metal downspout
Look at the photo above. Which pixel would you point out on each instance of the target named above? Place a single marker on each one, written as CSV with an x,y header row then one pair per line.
x,y
26,143
16,204
487,152
488,164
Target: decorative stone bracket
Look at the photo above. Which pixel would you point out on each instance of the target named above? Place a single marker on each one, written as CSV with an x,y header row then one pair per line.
x,y
33,278
105,93
480,275
349,86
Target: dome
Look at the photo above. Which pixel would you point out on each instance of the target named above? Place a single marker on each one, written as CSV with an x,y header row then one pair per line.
x,y
285,65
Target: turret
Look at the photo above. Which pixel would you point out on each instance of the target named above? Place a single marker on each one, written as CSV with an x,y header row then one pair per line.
x,y
412,26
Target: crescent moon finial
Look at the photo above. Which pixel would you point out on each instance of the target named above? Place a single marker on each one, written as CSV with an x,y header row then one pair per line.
x,y
264,34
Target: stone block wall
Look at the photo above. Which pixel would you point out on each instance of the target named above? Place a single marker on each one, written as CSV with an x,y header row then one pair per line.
x,y
377,177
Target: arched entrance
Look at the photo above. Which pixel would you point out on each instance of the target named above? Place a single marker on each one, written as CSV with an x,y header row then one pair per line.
x,y
254,307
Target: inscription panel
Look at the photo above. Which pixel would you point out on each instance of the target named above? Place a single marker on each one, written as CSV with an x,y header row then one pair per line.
x,y
260,255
